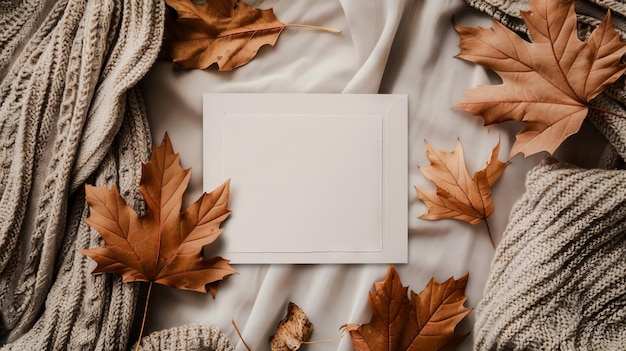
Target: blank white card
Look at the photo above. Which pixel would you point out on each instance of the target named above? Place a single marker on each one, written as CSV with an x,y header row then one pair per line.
x,y
315,178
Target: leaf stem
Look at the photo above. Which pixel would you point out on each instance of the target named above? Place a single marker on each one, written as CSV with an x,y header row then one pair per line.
x,y
493,244
240,336
331,30
145,312
600,109
325,340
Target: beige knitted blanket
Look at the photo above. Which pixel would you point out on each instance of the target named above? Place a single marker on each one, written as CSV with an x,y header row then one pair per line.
x,y
558,278
70,113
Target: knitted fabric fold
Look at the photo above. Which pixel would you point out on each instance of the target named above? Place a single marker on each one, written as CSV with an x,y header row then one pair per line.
x,y
557,280
69,113
188,338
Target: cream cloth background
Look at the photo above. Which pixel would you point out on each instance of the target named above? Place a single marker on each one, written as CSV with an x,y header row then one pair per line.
x,y
392,46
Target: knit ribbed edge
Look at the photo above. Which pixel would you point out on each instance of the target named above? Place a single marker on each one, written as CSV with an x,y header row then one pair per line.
x,y
557,279
186,338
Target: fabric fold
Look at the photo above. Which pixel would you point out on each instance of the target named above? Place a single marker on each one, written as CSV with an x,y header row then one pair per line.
x,y
373,49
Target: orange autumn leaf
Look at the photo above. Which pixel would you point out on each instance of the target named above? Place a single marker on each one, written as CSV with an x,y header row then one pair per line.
x,y
547,83
424,322
226,32
458,196
163,246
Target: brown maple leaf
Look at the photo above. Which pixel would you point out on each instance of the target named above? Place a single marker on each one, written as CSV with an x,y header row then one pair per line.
x,y
164,246
424,322
458,196
547,84
226,32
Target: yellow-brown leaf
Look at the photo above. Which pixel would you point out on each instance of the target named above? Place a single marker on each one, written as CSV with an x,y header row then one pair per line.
x,y
458,196
292,331
547,84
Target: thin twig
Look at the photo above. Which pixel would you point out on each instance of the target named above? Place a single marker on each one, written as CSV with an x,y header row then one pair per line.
x,y
240,336
332,30
145,312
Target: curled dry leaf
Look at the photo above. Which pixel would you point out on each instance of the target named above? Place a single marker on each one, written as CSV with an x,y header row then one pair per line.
x,y
164,246
547,84
226,32
292,331
424,322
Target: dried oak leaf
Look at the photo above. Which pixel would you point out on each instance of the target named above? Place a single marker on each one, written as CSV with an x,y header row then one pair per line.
x,y
425,322
292,331
547,84
226,32
458,196
164,246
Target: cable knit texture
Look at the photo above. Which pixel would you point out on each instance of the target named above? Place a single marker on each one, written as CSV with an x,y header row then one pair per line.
x,y
558,280
70,113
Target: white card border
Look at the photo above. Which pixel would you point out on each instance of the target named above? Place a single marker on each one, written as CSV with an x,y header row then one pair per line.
x,y
393,108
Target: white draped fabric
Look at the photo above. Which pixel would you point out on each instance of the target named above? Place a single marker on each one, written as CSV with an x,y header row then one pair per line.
x,y
387,46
